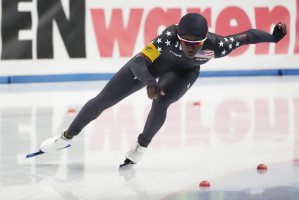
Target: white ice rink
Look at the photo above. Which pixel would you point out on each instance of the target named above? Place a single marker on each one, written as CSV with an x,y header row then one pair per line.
x,y
219,131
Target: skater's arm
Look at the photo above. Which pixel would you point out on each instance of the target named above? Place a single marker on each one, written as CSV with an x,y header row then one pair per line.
x,y
257,36
139,67
222,46
149,54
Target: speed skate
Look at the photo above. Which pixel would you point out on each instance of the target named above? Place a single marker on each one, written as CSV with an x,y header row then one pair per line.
x,y
52,144
133,156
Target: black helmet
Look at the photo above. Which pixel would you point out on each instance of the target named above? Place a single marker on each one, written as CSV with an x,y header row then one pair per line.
x,y
193,24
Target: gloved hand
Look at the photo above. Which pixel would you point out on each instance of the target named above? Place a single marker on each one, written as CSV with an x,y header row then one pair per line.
x,y
280,30
154,89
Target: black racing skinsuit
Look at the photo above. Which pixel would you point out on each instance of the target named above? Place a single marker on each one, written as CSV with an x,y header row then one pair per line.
x,y
164,59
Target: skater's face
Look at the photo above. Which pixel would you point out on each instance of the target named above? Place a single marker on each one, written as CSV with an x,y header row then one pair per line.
x,y
190,44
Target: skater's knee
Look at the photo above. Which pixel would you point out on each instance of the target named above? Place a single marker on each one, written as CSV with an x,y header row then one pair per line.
x,y
162,104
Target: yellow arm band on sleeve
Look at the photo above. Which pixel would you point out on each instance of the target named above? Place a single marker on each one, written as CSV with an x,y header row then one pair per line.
x,y
151,52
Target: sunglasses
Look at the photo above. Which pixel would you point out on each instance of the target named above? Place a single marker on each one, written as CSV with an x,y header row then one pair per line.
x,y
191,42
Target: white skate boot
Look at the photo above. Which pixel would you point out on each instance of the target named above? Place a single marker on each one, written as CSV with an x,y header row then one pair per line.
x,y
134,155
54,143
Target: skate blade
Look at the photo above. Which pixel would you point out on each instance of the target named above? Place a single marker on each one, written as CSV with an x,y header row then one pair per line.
x,y
40,152
126,165
34,154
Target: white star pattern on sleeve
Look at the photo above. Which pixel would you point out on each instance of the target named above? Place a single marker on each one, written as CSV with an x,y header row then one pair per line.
x,y
168,33
226,45
220,44
167,42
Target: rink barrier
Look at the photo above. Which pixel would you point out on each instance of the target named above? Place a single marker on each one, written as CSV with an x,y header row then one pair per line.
x,y
108,76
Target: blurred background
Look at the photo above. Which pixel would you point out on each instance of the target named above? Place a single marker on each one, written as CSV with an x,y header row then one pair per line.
x,y
71,40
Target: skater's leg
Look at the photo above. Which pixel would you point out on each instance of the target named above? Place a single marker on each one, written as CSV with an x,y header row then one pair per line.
x,y
119,87
175,85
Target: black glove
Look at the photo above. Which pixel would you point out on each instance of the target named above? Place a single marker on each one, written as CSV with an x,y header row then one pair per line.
x,y
280,30
154,89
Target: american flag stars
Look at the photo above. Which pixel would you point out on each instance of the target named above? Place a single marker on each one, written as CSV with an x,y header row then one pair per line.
x,y
168,33
228,45
162,41
167,42
221,44
223,52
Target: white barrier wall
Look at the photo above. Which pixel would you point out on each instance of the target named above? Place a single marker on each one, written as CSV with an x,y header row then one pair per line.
x,y
40,37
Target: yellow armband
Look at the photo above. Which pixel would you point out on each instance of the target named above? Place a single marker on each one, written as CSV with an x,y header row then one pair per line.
x,y
151,52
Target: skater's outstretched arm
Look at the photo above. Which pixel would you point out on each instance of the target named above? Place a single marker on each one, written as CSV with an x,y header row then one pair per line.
x,y
258,36
223,45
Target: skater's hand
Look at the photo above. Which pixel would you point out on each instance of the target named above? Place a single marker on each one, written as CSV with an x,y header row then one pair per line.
x,y
154,90
280,30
